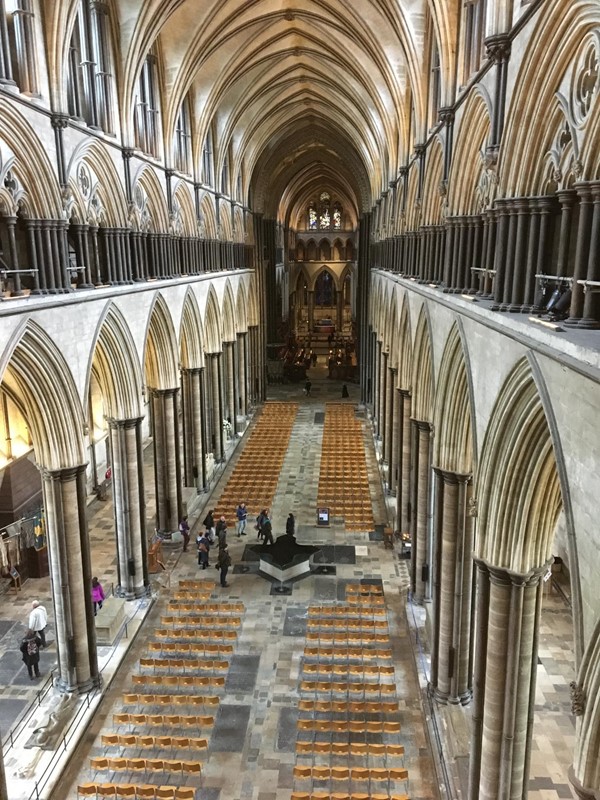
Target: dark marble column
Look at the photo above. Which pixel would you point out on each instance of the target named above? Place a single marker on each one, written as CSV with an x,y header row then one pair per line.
x,y
420,480
520,257
501,245
194,440
167,466
591,315
389,424
129,506
403,514
70,570
501,737
582,253
242,350
217,406
452,579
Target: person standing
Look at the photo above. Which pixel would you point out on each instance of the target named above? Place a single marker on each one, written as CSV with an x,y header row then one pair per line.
x,y
97,595
307,388
203,551
209,524
30,648
241,513
184,530
345,392
259,521
38,620
223,563
267,530
222,532
290,525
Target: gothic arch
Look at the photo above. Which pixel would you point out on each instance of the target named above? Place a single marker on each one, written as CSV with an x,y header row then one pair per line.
x,y
160,356
518,485
208,218
212,328
454,450
149,197
184,221
324,250
91,173
35,373
434,172
422,377
23,153
225,219
252,308
191,336
542,71
241,307
115,362
405,363
228,315
586,761
413,214
239,228
467,161
391,337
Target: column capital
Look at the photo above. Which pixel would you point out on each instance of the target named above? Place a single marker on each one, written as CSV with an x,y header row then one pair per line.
x,y
64,474
498,47
446,115
191,370
59,121
130,422
451,477
154,392
502,575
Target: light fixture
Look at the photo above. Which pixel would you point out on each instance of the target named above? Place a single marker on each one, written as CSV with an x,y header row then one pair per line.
x,y
469,297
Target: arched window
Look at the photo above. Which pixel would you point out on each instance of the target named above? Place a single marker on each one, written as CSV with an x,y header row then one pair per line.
x,y
183,139
336,217
225,175
325,216
90,74
207,152
147,107
312,217
17,60
325,294
435,88
473,36
324,211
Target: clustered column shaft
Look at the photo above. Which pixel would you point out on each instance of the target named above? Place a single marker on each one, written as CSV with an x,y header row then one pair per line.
x,y
167,467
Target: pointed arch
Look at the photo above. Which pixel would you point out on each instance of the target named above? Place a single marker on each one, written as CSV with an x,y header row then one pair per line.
x,y
212,328
208,217
149,196
191,334
405,363
434,172
36,375
185,213
225,219
115,363
106,183
391,338
253,305
239,228
467,161
518,485
422,376
161,351
228,315
454,449
241,307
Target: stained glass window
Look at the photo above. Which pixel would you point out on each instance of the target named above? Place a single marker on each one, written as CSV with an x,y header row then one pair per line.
x,y
337,218
312,218
324,218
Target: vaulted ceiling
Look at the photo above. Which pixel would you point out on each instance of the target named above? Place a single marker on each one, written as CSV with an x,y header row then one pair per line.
x,y
303,94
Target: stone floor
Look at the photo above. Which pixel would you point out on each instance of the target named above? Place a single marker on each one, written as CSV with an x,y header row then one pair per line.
x,y
251,752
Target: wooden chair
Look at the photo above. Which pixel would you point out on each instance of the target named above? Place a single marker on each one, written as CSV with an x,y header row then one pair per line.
x,y
136,764
172,765
99,764
145,791
126,790
110,739
164,792
118,764
106,790
87,790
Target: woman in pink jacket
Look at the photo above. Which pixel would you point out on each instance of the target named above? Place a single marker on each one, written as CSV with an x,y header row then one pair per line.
x,y
97,594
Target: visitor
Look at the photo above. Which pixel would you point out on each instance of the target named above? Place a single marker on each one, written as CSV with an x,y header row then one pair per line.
x,y
290,525
241,513
97,595
307,388
259,522
203,543
222,532
209,524
30,648
223,564
38,619
267,530
345,392
184,530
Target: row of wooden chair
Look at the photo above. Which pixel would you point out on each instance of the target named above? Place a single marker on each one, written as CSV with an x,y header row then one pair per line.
x,y
179,606
364,588
347,688
194,633
180,681
153,720
351,749
352,726
346,796
346,611
364,601
181,663
139,792
356,639
104,764
358,624
190,647
208,701
196,584
351,773
155,742
203,621
192,594
348,653
349,706
347,670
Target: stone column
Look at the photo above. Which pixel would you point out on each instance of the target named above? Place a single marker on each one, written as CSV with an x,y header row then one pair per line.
x,y
217,405
420,471
403,495
582,253
70,570
501,243
378,387
520,258
194,440
590,303
506,690
167,466
129,506
389,422
3,789
383,405
243,373
453,577
395,444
